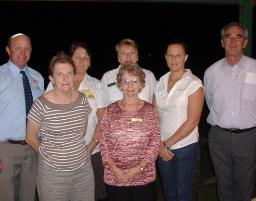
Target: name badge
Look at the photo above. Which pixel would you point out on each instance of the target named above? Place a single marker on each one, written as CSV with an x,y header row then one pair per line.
x,y
111,84
136,119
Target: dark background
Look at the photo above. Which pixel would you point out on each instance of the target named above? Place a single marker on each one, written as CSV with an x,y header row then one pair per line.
x,y
52,26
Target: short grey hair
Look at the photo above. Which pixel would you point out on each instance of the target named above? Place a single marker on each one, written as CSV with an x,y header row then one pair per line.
x,y
234,24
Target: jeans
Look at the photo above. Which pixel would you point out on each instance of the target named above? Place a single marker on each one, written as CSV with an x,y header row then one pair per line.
x,y
177,175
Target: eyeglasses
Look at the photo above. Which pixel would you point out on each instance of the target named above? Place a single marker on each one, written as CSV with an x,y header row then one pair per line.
x,y
130,82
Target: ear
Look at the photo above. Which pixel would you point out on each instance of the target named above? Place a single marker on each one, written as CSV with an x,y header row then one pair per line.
x,y
186,57
7,50
222,43
52,80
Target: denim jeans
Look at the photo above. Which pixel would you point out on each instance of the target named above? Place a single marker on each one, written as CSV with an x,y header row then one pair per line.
x,y
177,175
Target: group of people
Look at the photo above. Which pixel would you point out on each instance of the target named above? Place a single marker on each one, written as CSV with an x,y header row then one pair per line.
x,y
89,139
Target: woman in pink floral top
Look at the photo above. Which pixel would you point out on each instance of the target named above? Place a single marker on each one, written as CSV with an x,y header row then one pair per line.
x,y
130,140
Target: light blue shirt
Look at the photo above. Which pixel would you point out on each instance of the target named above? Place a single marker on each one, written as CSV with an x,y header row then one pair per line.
x,y
12,100
231,93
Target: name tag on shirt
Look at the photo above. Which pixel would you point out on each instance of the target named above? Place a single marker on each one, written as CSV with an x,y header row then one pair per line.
x,y
136,119
111,84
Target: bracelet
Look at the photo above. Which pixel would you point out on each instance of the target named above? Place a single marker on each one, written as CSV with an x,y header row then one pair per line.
x,y
96,140
165,146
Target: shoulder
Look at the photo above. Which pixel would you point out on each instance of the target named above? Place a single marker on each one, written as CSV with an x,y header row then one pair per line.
x,y
92,81
35,73
148,73
215,66
110,73
3,71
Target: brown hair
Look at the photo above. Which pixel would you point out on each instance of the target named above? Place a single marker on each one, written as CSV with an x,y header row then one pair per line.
x,y
61,57
131,69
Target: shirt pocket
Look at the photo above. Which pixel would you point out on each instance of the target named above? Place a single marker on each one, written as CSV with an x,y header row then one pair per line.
x,y
249,92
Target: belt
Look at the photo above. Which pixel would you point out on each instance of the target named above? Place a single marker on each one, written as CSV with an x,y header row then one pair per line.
x,y
236,130
21,142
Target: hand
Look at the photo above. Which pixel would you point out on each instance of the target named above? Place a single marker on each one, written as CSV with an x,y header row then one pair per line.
x,y
119,174
132,172
166,154
1,166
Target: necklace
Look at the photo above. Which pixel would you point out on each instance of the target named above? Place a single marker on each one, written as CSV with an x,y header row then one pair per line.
x,y
133,107
172,81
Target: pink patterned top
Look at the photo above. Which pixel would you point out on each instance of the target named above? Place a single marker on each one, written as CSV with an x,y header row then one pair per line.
x,y
127,138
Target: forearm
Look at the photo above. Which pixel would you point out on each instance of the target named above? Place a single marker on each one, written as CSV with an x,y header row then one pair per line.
x,y
185,129
34,143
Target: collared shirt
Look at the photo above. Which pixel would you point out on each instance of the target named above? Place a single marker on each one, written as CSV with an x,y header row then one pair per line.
x,y
94,93
173,106
12,100
113,93
231,93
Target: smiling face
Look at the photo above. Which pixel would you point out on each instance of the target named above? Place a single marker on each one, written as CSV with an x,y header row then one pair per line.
x,y
176,57
127,54
130,85
63,77
82,60
19,50
234,41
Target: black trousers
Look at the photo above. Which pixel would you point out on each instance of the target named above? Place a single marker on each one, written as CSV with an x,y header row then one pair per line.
x,y
132,193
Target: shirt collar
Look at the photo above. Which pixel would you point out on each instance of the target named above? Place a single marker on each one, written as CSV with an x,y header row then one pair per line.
x,y
15,70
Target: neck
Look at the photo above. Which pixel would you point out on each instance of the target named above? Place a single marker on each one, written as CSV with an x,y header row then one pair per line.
x,y
131,104
175,76
233,59
63,97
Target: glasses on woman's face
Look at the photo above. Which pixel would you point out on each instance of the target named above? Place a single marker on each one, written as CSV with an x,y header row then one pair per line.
x,y
130,82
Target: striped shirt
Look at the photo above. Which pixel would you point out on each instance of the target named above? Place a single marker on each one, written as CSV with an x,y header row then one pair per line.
x,y
62,132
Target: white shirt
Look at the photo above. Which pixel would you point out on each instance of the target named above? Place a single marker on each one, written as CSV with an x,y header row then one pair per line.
x,y
173,106
230,93
94,93
113,93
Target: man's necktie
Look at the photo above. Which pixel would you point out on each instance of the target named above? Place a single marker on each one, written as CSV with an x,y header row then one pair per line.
x,y
27,92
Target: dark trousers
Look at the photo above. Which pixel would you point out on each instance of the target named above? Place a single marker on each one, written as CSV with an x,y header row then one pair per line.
x,y
234,162
132,193
177,175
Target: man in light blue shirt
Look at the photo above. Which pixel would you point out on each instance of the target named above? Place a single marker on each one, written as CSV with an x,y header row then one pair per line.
x,y
230,89
18,161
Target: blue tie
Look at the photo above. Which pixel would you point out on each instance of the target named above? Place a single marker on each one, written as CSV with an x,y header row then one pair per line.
x,y
27,92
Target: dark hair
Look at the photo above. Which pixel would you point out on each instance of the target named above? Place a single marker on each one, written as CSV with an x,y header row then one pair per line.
x,y
234,24
76,45
132,69
177,42
61,57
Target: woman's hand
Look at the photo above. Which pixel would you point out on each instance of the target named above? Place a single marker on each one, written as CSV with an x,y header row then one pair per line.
x,y
119,174
166,154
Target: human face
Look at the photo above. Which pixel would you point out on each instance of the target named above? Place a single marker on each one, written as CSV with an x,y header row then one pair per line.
x,y
130,85
234,41
19,50
127,55
82,60
63,77
176,57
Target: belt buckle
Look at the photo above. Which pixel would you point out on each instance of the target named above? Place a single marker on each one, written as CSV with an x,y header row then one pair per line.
x,y
232,131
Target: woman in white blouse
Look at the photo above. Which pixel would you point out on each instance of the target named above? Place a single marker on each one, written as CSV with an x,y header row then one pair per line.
x,y
179,96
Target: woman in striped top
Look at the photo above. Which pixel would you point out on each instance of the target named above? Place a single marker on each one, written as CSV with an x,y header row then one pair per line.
x,y
61,115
